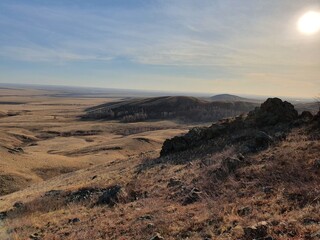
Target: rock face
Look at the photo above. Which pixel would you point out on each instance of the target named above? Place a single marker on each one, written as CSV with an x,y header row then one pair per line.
x,y
253,133
110,196
272,112
306,116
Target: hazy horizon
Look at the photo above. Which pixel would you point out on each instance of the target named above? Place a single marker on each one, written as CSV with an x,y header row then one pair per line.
x,y
236,47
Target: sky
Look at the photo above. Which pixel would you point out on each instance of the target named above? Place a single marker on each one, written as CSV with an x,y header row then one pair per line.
x,y
212,46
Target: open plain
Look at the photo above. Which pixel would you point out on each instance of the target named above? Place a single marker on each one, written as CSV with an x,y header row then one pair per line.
x,y
42,136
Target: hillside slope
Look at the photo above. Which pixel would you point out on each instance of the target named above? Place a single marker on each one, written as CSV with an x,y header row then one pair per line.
x,y
261,185
231,98
188,109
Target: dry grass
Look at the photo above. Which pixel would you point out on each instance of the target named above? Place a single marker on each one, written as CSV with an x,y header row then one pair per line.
x,y
271,185
279,186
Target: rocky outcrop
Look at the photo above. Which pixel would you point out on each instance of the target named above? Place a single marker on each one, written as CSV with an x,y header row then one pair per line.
x,y
256,132
110,196
306,116
272,112
193,138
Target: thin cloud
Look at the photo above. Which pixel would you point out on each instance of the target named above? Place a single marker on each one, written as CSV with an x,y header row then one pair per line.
x,y
224,38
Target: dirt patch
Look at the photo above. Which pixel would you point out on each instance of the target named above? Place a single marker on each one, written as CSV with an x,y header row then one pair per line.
x,y
46,173
10,183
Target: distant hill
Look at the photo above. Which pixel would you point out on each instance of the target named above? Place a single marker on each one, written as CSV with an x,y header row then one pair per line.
x,y
312,107
231,98
189,109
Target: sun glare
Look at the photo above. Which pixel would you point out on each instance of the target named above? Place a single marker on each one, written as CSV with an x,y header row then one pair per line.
x,y
309,23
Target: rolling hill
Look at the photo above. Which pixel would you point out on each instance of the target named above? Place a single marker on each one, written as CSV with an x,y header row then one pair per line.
x,y
188,109
251,177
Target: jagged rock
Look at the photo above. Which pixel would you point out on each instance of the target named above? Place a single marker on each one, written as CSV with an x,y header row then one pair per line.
x,y
262,140
175,144
157,237
250,134
110,196
195,137
83,194
272,112
256,141
306,116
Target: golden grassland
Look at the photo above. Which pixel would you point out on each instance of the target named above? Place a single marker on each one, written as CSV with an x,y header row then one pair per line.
x,y
277,188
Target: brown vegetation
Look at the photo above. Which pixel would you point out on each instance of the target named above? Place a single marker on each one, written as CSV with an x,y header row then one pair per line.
x,y
198,193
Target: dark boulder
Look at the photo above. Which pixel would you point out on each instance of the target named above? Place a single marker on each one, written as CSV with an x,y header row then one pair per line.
x,y
175,144
306,116
254,141
83,194
272,112
110,196
195,137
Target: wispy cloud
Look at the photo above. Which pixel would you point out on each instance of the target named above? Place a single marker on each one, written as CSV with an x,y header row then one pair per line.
x,y
239,38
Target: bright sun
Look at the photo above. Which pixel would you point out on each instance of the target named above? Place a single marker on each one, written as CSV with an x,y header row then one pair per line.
x,y
309,23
